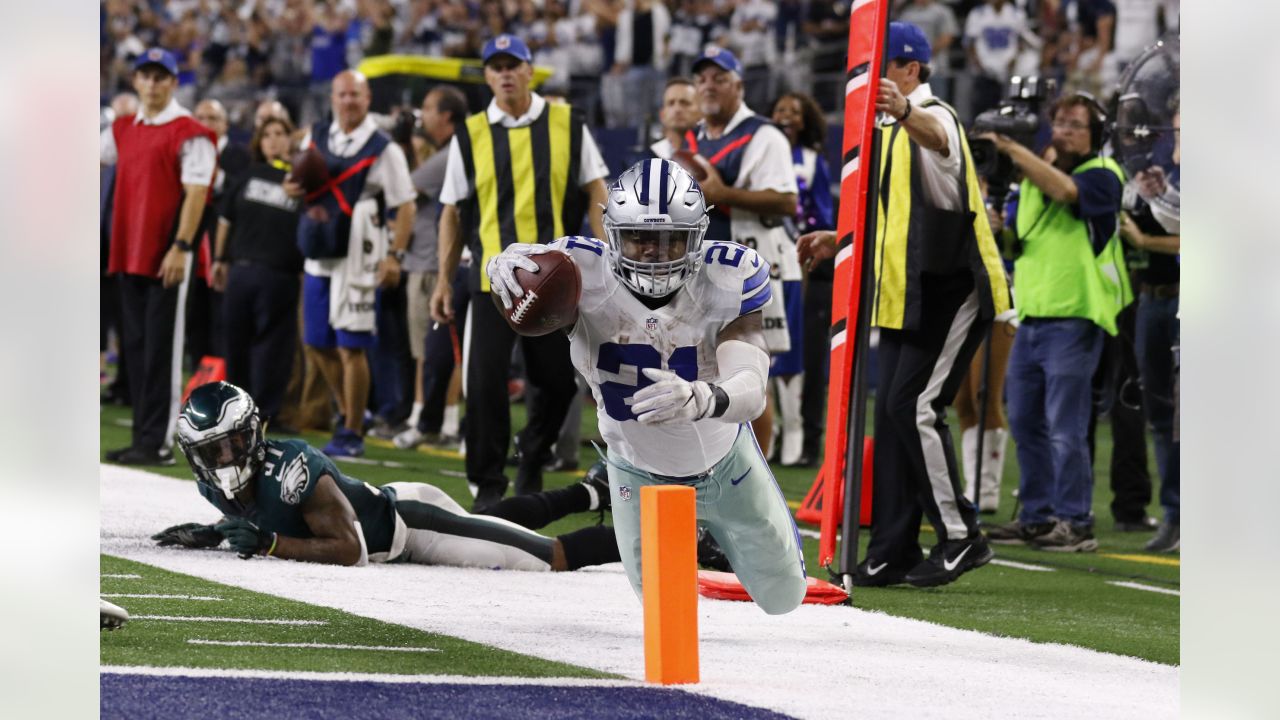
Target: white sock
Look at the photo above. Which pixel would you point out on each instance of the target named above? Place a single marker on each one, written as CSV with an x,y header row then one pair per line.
x,y
450,424
413,414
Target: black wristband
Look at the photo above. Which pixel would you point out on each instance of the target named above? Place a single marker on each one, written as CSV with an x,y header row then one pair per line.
x,y
719,401
906,114
182,245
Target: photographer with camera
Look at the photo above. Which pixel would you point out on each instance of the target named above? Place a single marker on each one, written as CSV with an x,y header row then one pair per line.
x,y
939,282
1071,284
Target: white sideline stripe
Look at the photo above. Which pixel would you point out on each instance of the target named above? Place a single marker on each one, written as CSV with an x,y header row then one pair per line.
x,y
362,677
248,621
122,576
323,646
1140,586
1021,566
152,596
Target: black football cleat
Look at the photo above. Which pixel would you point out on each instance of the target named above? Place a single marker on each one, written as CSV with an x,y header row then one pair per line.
x,y
709,553
949,560
877,573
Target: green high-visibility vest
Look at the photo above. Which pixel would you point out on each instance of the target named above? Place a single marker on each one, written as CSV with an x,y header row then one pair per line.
x,y
1058,275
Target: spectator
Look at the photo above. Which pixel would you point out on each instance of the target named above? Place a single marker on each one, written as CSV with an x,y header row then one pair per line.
x,y
256,267
268,109
639,63
165,162
802,122
939,282
1090,24
329,23
204,303
938,22
993,39
1158,334
750,179
515,115
1138,24
679,114
443,108
371,164
1072,283
751,32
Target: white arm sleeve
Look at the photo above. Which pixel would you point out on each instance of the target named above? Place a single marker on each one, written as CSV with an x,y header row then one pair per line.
x,y
744,373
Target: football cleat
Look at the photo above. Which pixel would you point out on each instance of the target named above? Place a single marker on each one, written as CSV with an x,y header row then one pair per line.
x,y
111,616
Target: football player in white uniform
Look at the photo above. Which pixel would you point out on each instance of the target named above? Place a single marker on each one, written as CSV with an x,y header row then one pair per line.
x,y
669,335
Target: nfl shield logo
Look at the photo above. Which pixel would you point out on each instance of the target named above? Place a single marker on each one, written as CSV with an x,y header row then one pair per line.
x,y
651,323
624,492
502,42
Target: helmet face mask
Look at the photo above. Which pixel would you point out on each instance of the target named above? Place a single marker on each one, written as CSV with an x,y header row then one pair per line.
x,y
655,222
220,433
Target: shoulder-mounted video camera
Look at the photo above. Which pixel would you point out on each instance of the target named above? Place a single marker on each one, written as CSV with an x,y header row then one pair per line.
x,y
1018,116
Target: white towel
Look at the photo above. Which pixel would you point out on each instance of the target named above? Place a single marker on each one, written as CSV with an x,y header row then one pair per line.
x,y
353,290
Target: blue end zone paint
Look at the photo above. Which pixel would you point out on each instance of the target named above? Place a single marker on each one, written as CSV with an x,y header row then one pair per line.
x,y
137,697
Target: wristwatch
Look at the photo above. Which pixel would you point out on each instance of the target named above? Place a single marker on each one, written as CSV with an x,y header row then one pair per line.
x,y
182,245
398,255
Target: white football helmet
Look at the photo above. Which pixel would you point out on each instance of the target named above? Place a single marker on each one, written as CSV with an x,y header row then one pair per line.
x,y
655,221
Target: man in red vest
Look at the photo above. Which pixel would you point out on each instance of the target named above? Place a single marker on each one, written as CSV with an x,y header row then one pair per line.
x,y
165,162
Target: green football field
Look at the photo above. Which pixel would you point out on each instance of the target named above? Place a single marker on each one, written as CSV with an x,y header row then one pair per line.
x,y
1119,600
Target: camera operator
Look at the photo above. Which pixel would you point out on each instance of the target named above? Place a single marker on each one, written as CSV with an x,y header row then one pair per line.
x,y
1071,284
939,282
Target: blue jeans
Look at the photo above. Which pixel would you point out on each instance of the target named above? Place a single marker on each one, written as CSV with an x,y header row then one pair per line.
x,y
1049,387
1157,335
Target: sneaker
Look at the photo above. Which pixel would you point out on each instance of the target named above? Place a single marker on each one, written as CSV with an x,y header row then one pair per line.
x,y
873,573
387,431
949,560
110,615
1017,533
138,456
345,443
409,438
597,483
115,455
487,499
709,553
561,465
1065,537
1146,524
1167,539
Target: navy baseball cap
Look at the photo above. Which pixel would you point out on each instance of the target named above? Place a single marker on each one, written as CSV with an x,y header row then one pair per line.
x,y
721,57
507,45
908,42
157,56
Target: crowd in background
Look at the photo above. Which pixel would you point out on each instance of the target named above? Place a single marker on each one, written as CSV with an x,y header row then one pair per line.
x,y
244,51
261,59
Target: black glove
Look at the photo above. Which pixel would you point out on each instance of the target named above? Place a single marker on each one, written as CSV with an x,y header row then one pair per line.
x,y
246,538
189,535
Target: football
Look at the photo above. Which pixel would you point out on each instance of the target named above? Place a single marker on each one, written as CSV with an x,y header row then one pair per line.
x,y
684,159
551,295
309,169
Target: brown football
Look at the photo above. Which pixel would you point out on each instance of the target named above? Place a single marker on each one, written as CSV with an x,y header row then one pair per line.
x,y
309,169
551,295
684,158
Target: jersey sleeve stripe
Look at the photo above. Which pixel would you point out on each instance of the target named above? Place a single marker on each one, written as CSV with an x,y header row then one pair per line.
x,y
756,280
757,301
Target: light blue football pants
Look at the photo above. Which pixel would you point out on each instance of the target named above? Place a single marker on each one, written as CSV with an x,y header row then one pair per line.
x,y
741,504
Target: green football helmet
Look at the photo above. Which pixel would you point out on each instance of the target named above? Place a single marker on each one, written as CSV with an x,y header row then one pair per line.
x,y
221,434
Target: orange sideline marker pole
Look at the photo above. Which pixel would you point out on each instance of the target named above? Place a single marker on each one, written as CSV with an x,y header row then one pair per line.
x,y
669,574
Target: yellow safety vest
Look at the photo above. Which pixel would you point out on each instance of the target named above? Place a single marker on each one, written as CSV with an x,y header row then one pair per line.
x,y
913,238
1059,276
525,181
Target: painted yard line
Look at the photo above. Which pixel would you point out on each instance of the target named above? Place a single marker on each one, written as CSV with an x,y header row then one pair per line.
x,y
1148,588
363,677
1020,566
322,646
370,461
248,621
1148,559
122,576
153,596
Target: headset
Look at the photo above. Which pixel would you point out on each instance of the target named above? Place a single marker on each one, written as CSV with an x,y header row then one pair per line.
x,y
1099,133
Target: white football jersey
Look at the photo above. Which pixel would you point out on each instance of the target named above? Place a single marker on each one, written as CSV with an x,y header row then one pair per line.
x,y
617,336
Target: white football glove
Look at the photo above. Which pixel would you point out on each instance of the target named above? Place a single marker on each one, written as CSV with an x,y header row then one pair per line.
x,y
502,270
671,398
